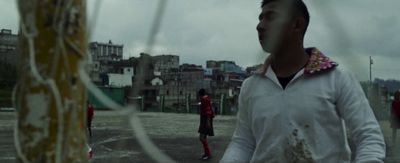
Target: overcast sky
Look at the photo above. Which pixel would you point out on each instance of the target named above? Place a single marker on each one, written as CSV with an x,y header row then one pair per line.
x,y
200,30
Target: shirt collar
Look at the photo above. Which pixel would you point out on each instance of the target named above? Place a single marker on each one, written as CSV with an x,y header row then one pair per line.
x,y
317,63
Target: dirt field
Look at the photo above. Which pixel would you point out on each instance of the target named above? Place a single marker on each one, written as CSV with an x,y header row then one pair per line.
x,y
175,134
113,140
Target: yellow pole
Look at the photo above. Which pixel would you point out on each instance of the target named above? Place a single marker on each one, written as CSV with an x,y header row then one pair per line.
x,y
49,97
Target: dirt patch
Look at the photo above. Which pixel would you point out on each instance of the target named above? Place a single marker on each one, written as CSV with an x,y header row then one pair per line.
x,y
297,150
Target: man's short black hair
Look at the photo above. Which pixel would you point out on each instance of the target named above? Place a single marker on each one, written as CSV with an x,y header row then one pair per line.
x,y
298,5
202,92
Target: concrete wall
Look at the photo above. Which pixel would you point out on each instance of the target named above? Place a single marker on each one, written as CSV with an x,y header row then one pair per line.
x,y
119,80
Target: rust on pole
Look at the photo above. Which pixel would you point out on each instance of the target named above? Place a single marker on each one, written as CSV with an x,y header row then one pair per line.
x,y
49,98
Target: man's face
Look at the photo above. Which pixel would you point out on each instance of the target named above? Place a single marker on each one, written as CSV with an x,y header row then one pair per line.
x,y
274,26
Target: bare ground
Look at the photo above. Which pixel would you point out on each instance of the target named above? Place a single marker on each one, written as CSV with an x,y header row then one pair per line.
x,y
175,134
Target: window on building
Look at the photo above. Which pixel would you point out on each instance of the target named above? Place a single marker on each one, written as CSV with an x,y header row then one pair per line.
x,y
167,92
2,47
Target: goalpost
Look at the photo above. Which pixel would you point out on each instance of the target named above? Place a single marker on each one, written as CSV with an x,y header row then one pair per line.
x,y
50,95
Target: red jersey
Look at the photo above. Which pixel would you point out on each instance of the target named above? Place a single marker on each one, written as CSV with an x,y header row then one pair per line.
x,y
90,112
396,108
205,107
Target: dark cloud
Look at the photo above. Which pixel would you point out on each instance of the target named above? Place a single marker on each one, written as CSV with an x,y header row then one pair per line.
x,y
349,31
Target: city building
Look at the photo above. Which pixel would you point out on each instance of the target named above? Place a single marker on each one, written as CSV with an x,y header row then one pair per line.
x,y
253,69
162,78
182,83
104,58
121,80
8,47
192,79
225,74
8,59
106,51
164,63
226,67
215,64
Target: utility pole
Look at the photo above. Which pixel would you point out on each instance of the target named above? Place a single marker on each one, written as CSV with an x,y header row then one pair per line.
x,y
370,69
50,98
179,89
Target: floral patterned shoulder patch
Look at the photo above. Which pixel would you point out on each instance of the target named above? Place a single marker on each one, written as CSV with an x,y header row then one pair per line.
x,y
318,62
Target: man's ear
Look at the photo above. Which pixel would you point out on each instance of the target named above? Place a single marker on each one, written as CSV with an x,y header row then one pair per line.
x,y
299,24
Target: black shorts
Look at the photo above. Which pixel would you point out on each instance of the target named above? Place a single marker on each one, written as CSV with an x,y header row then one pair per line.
x,y
89,123
203,126
395,122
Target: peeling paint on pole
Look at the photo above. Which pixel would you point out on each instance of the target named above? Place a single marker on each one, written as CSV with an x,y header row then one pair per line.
x,y
50,99
37,117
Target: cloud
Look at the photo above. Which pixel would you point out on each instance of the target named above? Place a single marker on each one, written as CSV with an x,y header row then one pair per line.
x,y
9,15
349,31
205,29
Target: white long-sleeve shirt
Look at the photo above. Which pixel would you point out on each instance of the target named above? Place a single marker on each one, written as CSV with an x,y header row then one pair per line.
x,y
306,121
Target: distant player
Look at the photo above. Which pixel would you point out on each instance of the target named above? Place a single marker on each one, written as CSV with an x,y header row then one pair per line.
x,y
89,117
206,126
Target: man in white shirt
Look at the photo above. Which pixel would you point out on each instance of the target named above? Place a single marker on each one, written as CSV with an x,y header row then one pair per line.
x,y
297,109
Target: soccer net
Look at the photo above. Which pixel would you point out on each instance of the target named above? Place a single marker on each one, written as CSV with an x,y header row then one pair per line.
x,y
50,95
